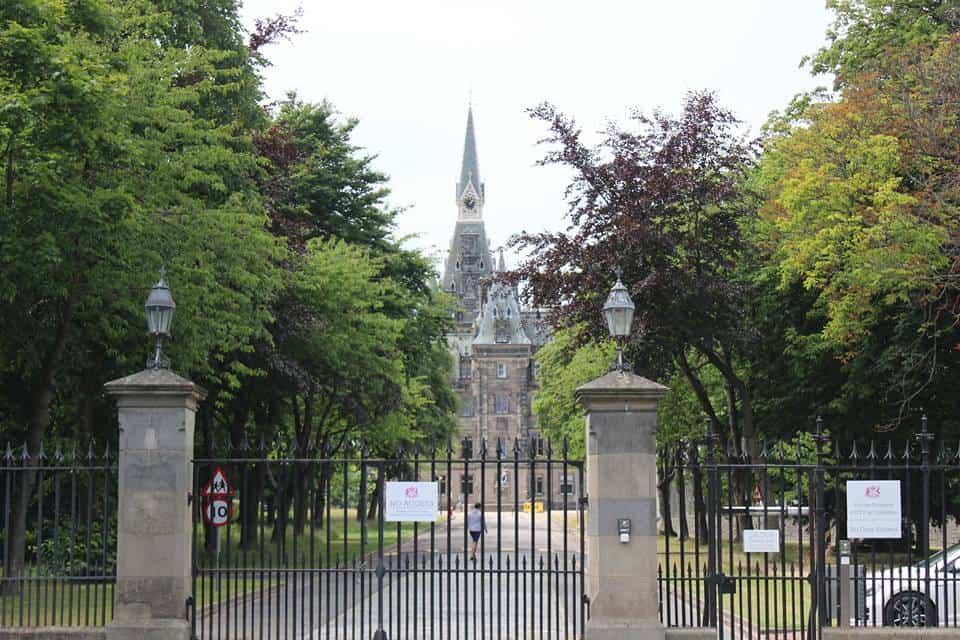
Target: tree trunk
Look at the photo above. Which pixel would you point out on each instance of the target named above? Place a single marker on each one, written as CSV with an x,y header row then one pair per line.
x,y
665,473
682,496
41,395
699,503
663,488
374,506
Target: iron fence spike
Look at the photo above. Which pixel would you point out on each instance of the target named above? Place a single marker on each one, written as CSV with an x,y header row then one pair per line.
x,y
500,451
907,452
483,448
25,454
854,452
41,454
872,453
8,456
764,453
889,455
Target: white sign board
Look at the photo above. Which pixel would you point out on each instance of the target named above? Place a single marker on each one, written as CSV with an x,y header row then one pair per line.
x,y
411,502
873,509
761,541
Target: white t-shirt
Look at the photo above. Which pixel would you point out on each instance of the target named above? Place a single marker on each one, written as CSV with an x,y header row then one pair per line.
x,y
475,520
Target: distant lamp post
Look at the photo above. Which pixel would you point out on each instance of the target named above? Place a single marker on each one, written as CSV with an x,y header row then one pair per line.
x,y
618,311
159,310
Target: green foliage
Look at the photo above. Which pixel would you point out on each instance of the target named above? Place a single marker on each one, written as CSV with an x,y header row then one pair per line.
x,y
865,31
78,549
131,137
564,364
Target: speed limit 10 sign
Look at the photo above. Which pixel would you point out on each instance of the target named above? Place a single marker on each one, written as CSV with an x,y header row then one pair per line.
x,y
217,511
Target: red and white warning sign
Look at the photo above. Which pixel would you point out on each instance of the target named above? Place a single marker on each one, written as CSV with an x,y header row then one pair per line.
x,y
217,507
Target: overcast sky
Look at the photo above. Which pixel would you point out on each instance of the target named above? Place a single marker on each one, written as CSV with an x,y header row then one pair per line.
x,y
407,69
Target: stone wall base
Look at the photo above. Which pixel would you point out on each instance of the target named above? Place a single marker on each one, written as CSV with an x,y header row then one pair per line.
x,y
152,629
637,630
54,633
691,633
889,633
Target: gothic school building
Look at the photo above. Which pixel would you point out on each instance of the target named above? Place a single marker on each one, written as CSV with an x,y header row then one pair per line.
x,y
493,346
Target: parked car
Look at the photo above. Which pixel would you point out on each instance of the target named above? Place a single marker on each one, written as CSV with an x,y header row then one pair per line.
x,y
906,597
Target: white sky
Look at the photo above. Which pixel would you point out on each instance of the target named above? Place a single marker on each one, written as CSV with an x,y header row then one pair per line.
x,y
406,68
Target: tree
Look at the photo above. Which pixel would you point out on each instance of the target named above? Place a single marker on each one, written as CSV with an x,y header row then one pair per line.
x,y
112,170
665,204
859,228
865,31
565,364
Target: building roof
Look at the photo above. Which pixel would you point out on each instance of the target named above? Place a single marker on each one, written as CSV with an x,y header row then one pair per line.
x,y
501,321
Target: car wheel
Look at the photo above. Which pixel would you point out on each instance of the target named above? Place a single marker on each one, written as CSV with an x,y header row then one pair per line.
x,y
910,610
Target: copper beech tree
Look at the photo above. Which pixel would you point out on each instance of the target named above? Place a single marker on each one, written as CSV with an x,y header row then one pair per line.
x,y
663,202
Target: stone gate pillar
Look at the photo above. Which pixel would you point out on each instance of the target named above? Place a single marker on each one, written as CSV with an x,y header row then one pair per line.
x,y
156,408
621,422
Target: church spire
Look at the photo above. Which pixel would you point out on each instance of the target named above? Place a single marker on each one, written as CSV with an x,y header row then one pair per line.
x,y
469,188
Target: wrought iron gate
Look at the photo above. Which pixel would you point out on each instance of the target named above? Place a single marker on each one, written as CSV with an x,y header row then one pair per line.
x,y
305,549
770,551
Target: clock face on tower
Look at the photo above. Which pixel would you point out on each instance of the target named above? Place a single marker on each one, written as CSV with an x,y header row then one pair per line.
x,y
469,202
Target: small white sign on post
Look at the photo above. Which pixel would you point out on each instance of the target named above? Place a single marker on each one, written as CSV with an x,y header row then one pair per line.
x,y
411,502
761,541
873,509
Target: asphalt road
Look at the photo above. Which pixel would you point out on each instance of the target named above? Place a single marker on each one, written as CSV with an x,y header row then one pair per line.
x,y
523,584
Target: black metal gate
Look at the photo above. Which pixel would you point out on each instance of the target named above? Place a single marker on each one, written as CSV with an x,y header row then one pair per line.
x,y
770,551
305,549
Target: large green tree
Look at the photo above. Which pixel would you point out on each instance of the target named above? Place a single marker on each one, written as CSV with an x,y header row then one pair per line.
x,y
115,166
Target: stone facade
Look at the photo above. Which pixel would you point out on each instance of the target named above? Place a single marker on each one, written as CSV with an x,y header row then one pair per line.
x,y
493,347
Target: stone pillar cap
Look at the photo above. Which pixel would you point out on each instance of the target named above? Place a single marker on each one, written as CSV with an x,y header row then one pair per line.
x,y
154,381
620,385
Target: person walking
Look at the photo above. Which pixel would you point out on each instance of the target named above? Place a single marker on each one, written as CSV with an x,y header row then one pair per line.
x,y
477,526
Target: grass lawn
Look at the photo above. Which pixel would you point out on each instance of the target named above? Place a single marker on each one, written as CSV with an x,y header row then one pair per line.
x,y
50,601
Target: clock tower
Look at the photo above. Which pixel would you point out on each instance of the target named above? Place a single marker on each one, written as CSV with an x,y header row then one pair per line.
x,y
469,261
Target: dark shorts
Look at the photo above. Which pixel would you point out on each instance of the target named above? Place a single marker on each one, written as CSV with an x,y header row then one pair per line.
x,y
475,535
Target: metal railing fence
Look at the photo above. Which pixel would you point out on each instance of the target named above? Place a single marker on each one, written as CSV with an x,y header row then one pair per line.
x,y
57,537
761,543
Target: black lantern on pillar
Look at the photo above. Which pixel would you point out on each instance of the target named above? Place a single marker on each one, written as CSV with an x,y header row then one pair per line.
x,y
159,309
618,312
